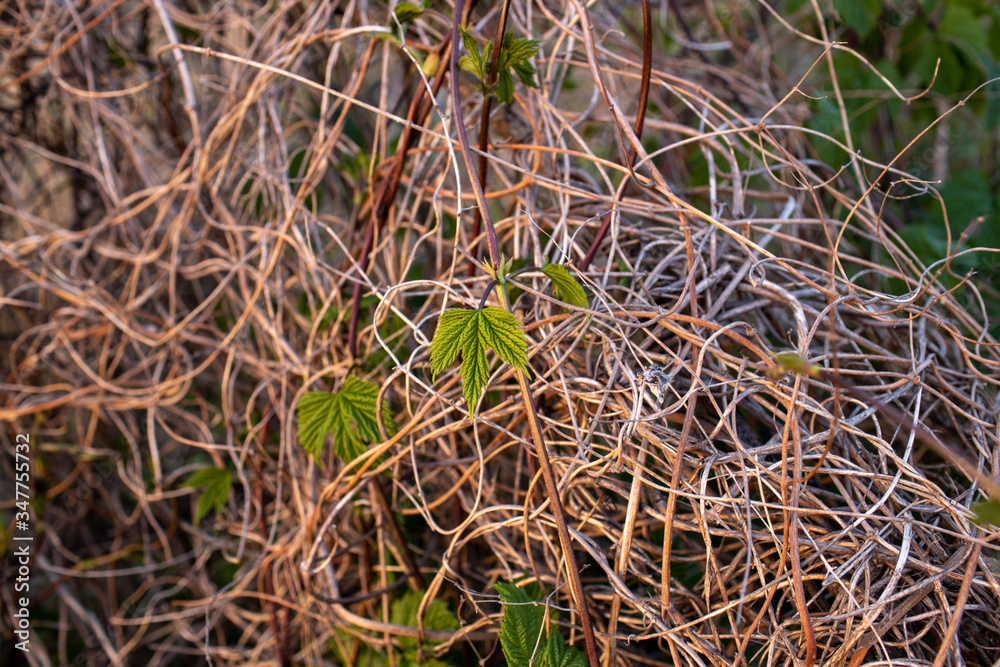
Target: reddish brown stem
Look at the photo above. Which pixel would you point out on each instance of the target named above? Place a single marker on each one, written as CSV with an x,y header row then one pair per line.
x,y
484,122
640,119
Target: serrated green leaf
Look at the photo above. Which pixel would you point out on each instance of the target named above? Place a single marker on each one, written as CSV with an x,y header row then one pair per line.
x,y
475,367
513,55
217,483
987,511
448,339
505,88
522,629
477,61
567,288
559,654
471,44
861,15
472,332
524,635
526,73
349,415
504,334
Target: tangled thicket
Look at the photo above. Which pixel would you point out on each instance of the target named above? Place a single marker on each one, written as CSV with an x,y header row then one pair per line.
x,y
187,192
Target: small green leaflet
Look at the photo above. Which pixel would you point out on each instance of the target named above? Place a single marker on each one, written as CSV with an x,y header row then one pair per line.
x,y
471,332
474,62
567,289
407,11
350,415
514,55
524,637
218,482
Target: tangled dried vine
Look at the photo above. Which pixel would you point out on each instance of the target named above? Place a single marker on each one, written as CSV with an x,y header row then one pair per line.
x,y
187,195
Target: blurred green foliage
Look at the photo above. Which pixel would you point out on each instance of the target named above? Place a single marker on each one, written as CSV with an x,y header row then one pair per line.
x,y
403,611
947,48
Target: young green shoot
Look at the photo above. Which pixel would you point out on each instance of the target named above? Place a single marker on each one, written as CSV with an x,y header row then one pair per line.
x,y
514,55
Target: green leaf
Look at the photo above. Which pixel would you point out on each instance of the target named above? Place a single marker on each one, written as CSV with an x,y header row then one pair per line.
x,y
448,339
567,288
403,611
505,88
485,61
217,482
476,62
469,64
514,54
526,73
559,654
350,415
470,43
987,511
861,15
522,629
472,332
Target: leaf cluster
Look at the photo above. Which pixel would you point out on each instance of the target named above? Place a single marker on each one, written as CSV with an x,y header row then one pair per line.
x,y
525,637
514,55
350,415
